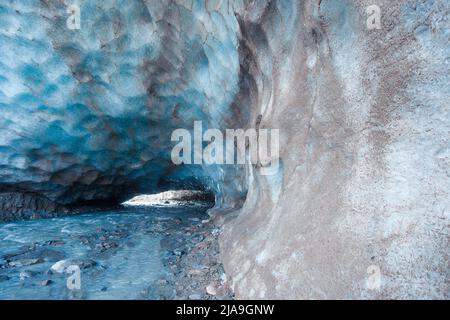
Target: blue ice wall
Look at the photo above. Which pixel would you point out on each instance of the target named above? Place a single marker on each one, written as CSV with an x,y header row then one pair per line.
x,y
87,114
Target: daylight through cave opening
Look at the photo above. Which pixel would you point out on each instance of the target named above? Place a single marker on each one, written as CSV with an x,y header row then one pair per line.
x,y
172,197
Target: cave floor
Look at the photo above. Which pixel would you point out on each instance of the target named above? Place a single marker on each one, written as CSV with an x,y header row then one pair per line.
x,y
152,253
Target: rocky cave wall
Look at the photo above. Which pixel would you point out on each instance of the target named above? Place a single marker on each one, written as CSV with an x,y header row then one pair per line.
x,y
364,186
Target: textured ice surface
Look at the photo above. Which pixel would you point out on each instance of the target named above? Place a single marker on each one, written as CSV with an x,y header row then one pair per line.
x,y
87,114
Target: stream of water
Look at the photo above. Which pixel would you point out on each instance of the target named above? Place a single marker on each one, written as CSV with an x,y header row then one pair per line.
x,y
118,253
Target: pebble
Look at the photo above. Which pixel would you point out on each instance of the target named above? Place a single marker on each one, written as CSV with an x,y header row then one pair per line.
x,y
195,296
211,289
195,272
162,282
178,252
55,242
109,245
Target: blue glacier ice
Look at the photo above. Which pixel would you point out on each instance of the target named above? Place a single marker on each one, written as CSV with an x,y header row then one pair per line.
x,y
87,114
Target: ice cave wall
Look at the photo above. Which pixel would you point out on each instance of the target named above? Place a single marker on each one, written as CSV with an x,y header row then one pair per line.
x,y
361,206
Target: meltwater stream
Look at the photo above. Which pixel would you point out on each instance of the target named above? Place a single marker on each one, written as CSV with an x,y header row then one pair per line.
x,y
119,253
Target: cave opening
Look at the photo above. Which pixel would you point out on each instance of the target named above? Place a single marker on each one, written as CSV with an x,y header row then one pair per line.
x,y
172,198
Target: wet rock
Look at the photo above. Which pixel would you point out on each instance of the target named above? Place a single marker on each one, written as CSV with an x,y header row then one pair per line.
x,y
24,206
104,246
178,252
24,262
84,264
162,282
211,289
195,272
55,242
62,265
10,256
35,253
27,274
195,296
3,278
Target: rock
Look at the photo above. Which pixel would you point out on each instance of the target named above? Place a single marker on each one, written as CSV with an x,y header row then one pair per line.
x,y
24,262
20,206
84,264
107,245
55,242
178,252
195,272
195,296
41,253
3,278
51,255
211,289
62,265
26,250
27,274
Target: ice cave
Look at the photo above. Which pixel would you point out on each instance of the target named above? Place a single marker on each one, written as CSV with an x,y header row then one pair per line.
x,y
92,91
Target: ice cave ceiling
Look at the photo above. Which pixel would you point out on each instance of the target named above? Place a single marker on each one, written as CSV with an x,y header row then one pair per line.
x,y
87,114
